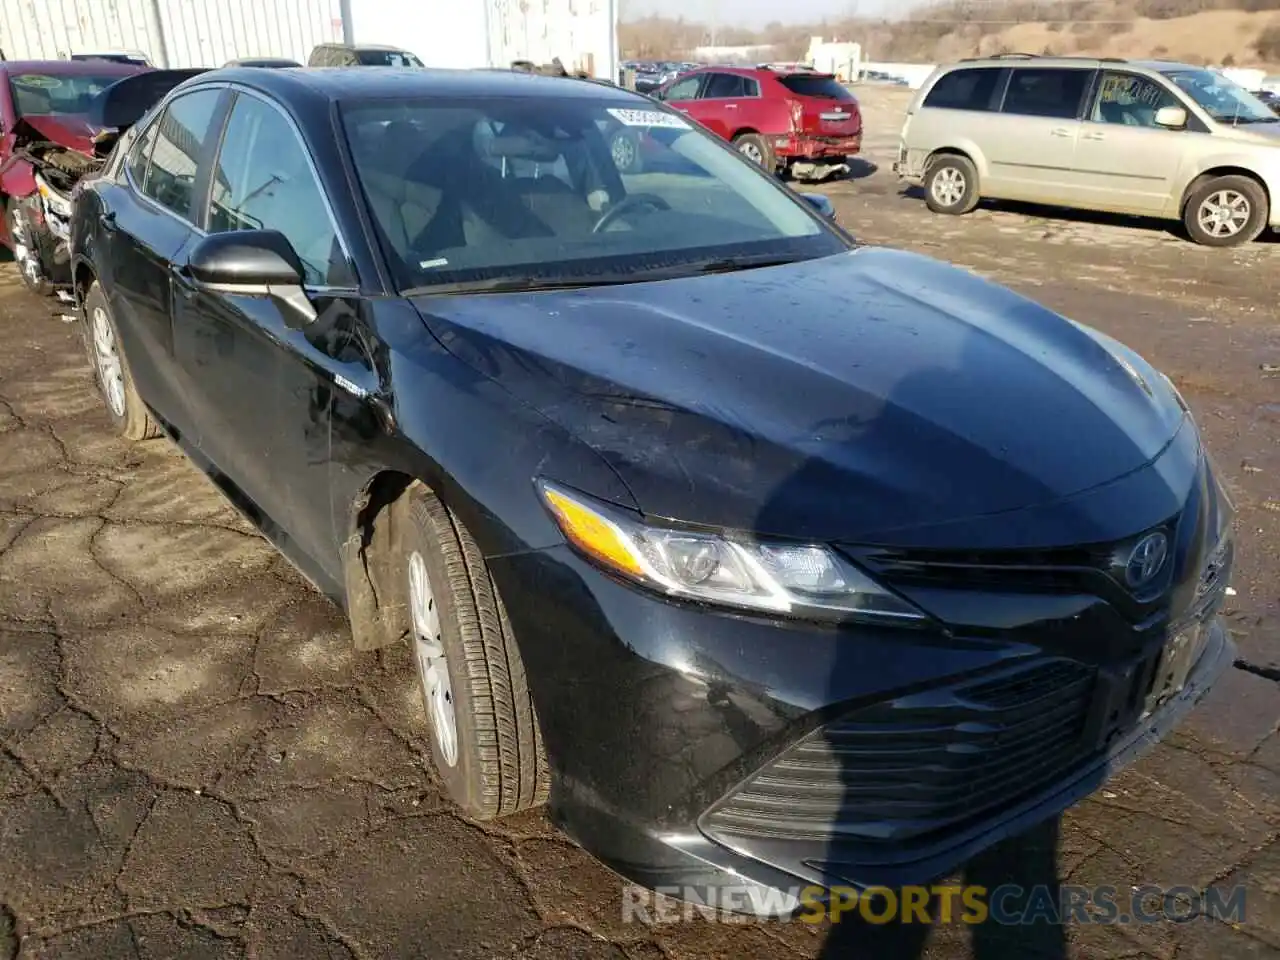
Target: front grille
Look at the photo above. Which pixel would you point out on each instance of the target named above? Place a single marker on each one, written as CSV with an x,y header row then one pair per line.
x,y
902,769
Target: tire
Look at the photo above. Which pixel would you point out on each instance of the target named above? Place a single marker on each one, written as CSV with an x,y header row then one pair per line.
x,y
1241,200
125,408
951,185
26,250
624,148
496,765
756,149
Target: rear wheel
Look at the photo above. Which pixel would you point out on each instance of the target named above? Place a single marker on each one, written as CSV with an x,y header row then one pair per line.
x,y
111,370
26,249
1226,211
756,149
484,733
951,185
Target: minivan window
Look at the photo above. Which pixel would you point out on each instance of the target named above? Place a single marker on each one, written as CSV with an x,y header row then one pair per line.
x,y
971,89
1129,100
1223,99
1046,92
387,58
181,134
823,88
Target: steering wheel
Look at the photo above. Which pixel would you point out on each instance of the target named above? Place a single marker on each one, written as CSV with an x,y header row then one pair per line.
x,y
635,200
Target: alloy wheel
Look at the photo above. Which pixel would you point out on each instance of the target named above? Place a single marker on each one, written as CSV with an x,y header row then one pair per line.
x,y
107,357
751,152
1224,213
433,668
948,186
623,151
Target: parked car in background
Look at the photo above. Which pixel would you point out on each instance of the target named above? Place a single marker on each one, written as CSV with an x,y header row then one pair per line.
x,y
134,58
961,560
46,146
1146,138
1270,98
278,63
361,55
777,119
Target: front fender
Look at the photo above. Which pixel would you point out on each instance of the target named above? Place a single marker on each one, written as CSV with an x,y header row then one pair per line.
x,y
18,179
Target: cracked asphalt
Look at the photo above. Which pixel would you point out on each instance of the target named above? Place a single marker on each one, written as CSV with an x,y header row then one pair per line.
x,y
195,763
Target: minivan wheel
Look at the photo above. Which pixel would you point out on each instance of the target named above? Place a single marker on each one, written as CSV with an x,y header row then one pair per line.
x,y
624,148
111,370
951,185
1226,211
484,732
756,149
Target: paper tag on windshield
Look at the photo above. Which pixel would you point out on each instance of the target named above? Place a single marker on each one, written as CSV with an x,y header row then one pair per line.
x,y
648,118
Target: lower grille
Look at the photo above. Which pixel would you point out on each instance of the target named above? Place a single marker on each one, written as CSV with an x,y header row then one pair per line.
x,y
901,769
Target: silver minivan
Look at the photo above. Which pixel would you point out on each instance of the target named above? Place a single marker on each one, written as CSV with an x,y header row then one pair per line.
x,y
1147,138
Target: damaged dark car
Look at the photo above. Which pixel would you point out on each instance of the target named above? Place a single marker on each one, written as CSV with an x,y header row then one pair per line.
x,y
765,557
48,145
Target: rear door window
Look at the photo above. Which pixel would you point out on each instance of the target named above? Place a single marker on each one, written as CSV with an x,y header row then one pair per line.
x,y
686,89
724,86
972,89
1046,92
183,134
823,88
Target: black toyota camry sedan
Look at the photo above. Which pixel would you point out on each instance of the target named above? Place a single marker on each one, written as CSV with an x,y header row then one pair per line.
x,y
768,558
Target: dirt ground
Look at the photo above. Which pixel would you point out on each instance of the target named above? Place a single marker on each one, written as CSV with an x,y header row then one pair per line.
x,y
194,763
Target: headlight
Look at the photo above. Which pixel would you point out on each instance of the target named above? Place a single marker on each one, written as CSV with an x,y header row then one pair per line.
x,y
724,568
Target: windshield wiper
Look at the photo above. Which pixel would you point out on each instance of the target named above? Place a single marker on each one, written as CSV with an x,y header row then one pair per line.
x,y
521,284
730,264
1258,120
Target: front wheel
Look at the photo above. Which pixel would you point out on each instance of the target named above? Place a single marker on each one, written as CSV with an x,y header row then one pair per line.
x,y
1226,211
26,249
484,733
951,185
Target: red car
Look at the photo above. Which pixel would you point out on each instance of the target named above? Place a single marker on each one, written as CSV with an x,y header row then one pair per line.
x,y
47,145
776,118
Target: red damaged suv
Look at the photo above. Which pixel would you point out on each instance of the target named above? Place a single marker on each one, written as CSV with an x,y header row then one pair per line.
x,y
780,119
47,144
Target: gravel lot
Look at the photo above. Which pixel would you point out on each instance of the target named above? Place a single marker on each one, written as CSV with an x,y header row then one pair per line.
x,y
194,763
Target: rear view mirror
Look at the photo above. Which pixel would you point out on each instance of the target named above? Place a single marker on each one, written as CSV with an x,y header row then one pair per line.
x,y
253,263
1172,118
821,204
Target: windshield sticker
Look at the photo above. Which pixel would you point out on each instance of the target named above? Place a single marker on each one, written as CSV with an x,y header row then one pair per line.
x,y
1130,90
432,264
648,118
38,80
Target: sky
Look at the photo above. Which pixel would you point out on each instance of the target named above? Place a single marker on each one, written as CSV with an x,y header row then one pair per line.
x,y
756,13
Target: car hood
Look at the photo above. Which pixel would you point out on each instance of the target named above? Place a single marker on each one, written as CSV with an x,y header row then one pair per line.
x,y
837,398
70,130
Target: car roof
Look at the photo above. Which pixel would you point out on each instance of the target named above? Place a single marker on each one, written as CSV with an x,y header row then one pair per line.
x,y
1089,63
299,85
71,67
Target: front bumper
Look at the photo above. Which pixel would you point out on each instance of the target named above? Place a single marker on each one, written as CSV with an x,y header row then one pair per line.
x,y
659,717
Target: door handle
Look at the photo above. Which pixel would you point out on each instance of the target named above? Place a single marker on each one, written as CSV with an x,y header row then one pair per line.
x,y
1060,132
731,106
1094,136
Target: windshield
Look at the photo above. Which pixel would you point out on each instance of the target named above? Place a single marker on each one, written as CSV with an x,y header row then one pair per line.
x,y
47,95
565,191
807,85
1225,100
387,58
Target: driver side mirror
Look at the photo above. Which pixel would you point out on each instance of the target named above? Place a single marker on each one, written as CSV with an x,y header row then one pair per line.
x,y
254,263
821,204
1171,118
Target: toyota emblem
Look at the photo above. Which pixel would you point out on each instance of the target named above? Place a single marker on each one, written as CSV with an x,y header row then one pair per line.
x,y
1146,560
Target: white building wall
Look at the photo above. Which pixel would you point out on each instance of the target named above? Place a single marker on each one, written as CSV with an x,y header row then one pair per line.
x,y
174,33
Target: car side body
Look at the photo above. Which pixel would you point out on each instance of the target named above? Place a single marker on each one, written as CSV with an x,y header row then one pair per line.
x,y
1095,141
